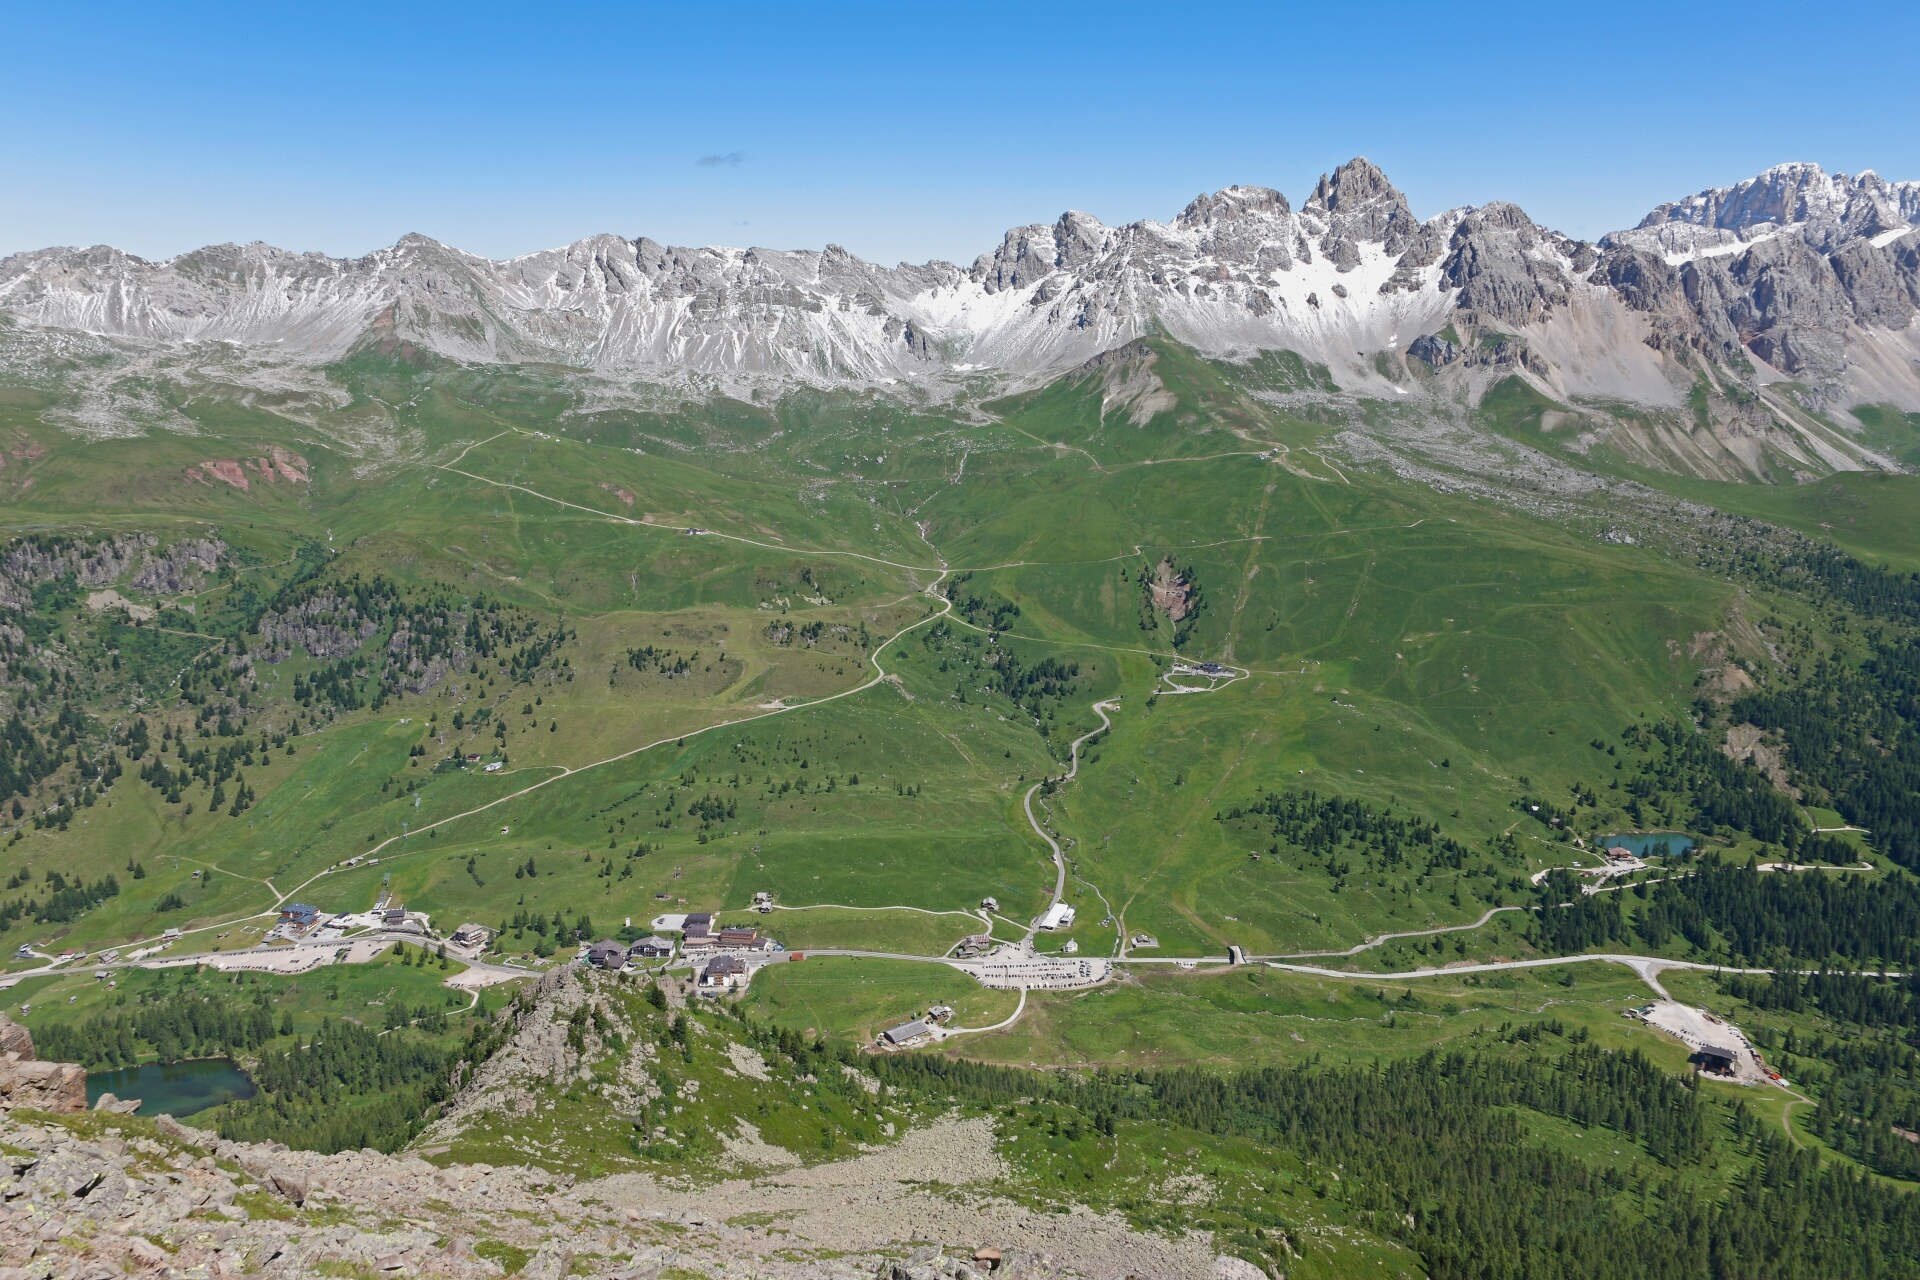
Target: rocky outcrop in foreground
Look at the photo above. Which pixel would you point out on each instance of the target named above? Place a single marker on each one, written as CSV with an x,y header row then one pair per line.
x,y
26,1081
100,1195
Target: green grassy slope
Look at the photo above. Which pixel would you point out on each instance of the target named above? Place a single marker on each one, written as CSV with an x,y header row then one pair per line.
x,y
1418,652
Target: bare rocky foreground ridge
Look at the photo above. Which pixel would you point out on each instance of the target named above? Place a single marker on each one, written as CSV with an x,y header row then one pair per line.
x,y
97,1194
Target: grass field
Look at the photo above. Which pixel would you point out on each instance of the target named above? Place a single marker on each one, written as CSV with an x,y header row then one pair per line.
x,y
854,1000
359,992
1221,1017
725,712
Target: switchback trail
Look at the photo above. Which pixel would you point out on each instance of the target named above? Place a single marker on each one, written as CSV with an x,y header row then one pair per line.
x,y
1073,768
1380,939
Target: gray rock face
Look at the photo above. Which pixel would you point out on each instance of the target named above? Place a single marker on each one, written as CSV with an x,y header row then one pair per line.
x,y
1830,208
103,562
180,566
1785,302
1505,268
1795,267
1881,282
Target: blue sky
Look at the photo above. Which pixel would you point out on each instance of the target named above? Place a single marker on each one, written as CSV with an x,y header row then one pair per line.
x,y
901,131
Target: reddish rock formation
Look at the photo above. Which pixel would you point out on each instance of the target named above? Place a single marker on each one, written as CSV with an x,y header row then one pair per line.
x,y
278,464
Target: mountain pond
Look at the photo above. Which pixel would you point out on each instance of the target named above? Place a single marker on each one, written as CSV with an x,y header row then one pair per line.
x,y
175,1088
1651,844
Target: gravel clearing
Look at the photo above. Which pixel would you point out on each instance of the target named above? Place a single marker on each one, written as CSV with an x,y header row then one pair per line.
x,y
927,1188
93,1206
1696,1028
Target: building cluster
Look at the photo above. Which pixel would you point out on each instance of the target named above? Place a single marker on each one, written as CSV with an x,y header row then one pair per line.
x,y
701,934
297,919
723,956
974,945
302,921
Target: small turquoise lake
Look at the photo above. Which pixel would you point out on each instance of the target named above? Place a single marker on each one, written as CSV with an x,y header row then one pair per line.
x,y
1652,844
175,1088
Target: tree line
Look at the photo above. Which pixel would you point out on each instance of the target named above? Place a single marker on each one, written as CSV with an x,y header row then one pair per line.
x,y
1853,731
1747,915
1435,1153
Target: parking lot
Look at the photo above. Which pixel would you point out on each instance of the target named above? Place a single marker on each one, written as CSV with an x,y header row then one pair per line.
x,y
1013,968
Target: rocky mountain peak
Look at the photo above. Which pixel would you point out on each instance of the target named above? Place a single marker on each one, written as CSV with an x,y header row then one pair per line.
x,y
239,262
1029,254
1504,267
1356,204
1784,194
1501,214
1230,204
1024,256
1814,274
1356,184
67,260
421,252
1079,238
1826,209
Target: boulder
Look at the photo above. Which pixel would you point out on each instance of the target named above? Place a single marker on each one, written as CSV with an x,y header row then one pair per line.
x,y
26,1081
14,1038
288,1185
144,1254
42,1086
284,1180
1434,351
178,1132
271,1249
